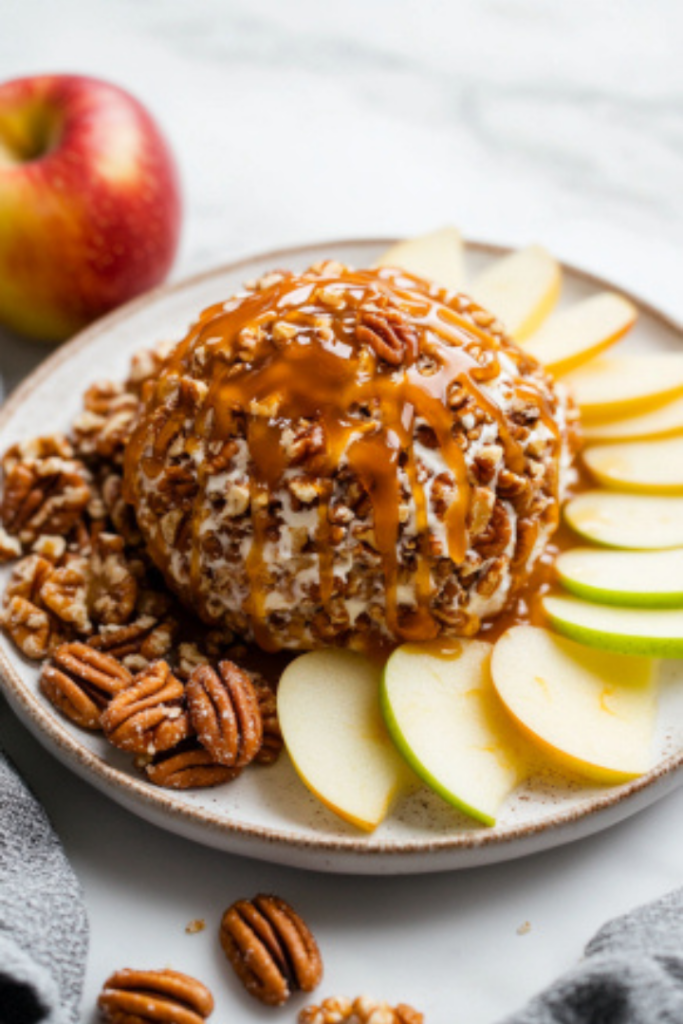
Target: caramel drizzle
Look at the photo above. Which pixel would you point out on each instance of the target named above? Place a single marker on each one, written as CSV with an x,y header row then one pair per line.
x,y
323,376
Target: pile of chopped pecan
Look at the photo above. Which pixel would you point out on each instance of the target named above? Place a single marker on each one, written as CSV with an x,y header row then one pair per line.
x,y
119,653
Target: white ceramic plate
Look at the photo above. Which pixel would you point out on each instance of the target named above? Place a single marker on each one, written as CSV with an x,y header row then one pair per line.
x,y
268,813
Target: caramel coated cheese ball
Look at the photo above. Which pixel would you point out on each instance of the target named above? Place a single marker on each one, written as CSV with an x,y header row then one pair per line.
x,y
348,458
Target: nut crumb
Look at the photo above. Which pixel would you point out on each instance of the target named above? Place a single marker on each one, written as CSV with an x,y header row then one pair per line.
x,y
198,925
524,929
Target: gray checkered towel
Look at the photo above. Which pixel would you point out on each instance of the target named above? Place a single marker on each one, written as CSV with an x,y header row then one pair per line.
x,y
43,925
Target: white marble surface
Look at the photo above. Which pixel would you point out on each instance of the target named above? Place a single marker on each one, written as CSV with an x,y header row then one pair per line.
x,y
518,121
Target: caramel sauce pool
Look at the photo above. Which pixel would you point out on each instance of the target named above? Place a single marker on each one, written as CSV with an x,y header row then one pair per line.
x,y
367,409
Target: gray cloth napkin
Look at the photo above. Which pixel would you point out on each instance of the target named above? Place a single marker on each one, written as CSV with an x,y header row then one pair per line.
x,y
43,924
632,974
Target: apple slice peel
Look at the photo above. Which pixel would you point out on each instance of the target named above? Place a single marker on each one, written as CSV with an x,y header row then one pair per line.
x,y
650,467
444,717
590,711
654,633
642,579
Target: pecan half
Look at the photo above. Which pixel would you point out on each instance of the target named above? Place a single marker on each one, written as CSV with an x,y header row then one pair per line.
x,y
388,334
148,716
81,682
271,949
138,997
363,1010
34,627
145,640
272,742
224,712
188,766
113,588
43,496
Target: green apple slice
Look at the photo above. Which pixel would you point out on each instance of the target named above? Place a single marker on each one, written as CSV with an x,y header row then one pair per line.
x,y
611,387
437,256
444,717
634,521
574,335
329,712
591,711
643,579
654,633
650,467
520,289
667,421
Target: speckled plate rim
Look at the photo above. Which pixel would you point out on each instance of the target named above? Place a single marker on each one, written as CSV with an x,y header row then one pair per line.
x,y
199,823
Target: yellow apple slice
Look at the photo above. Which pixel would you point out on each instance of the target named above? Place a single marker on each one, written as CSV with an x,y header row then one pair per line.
x,y
612,387
437,256
643,579
591,711
520,289
652,467
575,335
667,421
329,711
633,521
654,633
443,715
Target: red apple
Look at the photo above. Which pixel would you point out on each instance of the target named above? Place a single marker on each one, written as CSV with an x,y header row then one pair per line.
x,y
89,203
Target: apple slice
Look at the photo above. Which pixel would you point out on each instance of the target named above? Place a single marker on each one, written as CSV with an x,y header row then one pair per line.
x,y
667,421
591,711
577,334
653,633
437,256
444,717
635,521
329,711
611,387
653,467
520,289
643,579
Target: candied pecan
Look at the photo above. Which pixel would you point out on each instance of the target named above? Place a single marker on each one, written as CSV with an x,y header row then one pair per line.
x,y
189,657
64,593
139,997
224,712
10,547
113,589
37,448
148,638
104,427
272,742
388,334
271,949
81,682
43,496
363,1010
38,614
188,766
148,716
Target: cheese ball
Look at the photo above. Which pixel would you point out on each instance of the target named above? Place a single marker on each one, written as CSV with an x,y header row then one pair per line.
x,y
352,458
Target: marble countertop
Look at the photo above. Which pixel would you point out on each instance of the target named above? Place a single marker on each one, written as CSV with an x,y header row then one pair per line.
x,y
518,121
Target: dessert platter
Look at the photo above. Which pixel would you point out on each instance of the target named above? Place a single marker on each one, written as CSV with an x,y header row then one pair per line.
x,y
363,556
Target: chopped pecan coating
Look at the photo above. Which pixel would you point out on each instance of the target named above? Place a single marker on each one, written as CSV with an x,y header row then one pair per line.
x,y
81,682
148,716
188,766
141,997
43,496
271,949
224,712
